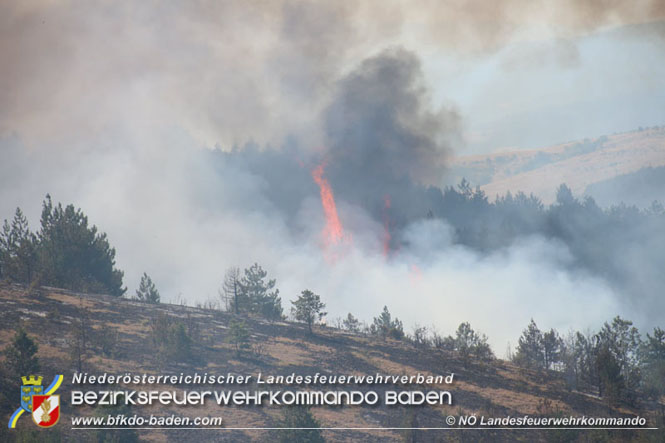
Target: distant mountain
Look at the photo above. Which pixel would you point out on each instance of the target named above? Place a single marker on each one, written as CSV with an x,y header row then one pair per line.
x,y
640,188
579,164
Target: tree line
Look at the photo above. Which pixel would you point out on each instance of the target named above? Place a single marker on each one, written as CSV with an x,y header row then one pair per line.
x,y
616,361
597,238
66,252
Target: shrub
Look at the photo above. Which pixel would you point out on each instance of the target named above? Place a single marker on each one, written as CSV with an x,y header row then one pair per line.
x,y
171,338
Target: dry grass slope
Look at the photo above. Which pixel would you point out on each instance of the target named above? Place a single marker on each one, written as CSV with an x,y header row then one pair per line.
x,y
499,389
578,164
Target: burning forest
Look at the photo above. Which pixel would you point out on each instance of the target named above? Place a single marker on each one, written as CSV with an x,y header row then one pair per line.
x,y
399,173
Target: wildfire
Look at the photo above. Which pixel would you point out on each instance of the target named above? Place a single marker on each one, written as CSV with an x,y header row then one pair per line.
x,y
333,232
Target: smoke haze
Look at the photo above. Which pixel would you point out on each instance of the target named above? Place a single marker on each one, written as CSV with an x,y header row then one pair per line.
x,y
189,133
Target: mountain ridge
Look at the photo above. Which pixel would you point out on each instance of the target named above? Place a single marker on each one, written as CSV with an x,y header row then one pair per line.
x,y
579,164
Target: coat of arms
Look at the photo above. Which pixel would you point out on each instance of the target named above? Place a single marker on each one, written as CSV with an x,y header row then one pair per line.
x,y
39,402
45,410
31,386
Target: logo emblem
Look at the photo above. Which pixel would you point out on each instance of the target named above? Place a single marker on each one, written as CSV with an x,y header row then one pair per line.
x,y
45,410
31,386
39,402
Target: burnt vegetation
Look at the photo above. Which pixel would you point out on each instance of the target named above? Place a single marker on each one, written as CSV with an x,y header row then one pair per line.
x,y
613,371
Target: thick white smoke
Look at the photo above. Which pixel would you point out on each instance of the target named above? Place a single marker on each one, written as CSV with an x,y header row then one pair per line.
x,y
114,106
185,223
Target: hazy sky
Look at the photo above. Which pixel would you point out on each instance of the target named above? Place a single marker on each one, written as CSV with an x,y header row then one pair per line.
x,y
521,73
532,94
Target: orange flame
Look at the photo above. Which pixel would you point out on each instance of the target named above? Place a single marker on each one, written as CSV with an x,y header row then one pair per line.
x,y
333,232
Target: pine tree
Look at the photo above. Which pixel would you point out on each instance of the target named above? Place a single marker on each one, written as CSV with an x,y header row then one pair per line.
x,y
653,364
294,419
147,291
171,339
238,336
610,380
469,343
382,323
585,357
623,340
564,195
464,339
351,323
73,255
308,308
18,250
530,351
385,326
552,347
258,294
20,356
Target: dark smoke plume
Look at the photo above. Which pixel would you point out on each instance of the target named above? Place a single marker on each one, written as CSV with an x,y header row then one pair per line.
x,y
382,138
383,141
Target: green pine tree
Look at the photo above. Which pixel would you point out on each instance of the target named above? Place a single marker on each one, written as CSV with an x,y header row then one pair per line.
x,y
468,343
258,295
385,326
147,291
611,382
74,255
21,355
300,426
653,364
351,323
238,336
530,349
18,250
308,308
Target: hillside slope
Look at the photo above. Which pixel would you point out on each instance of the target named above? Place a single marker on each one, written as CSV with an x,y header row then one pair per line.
x,y
578,164
500,389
